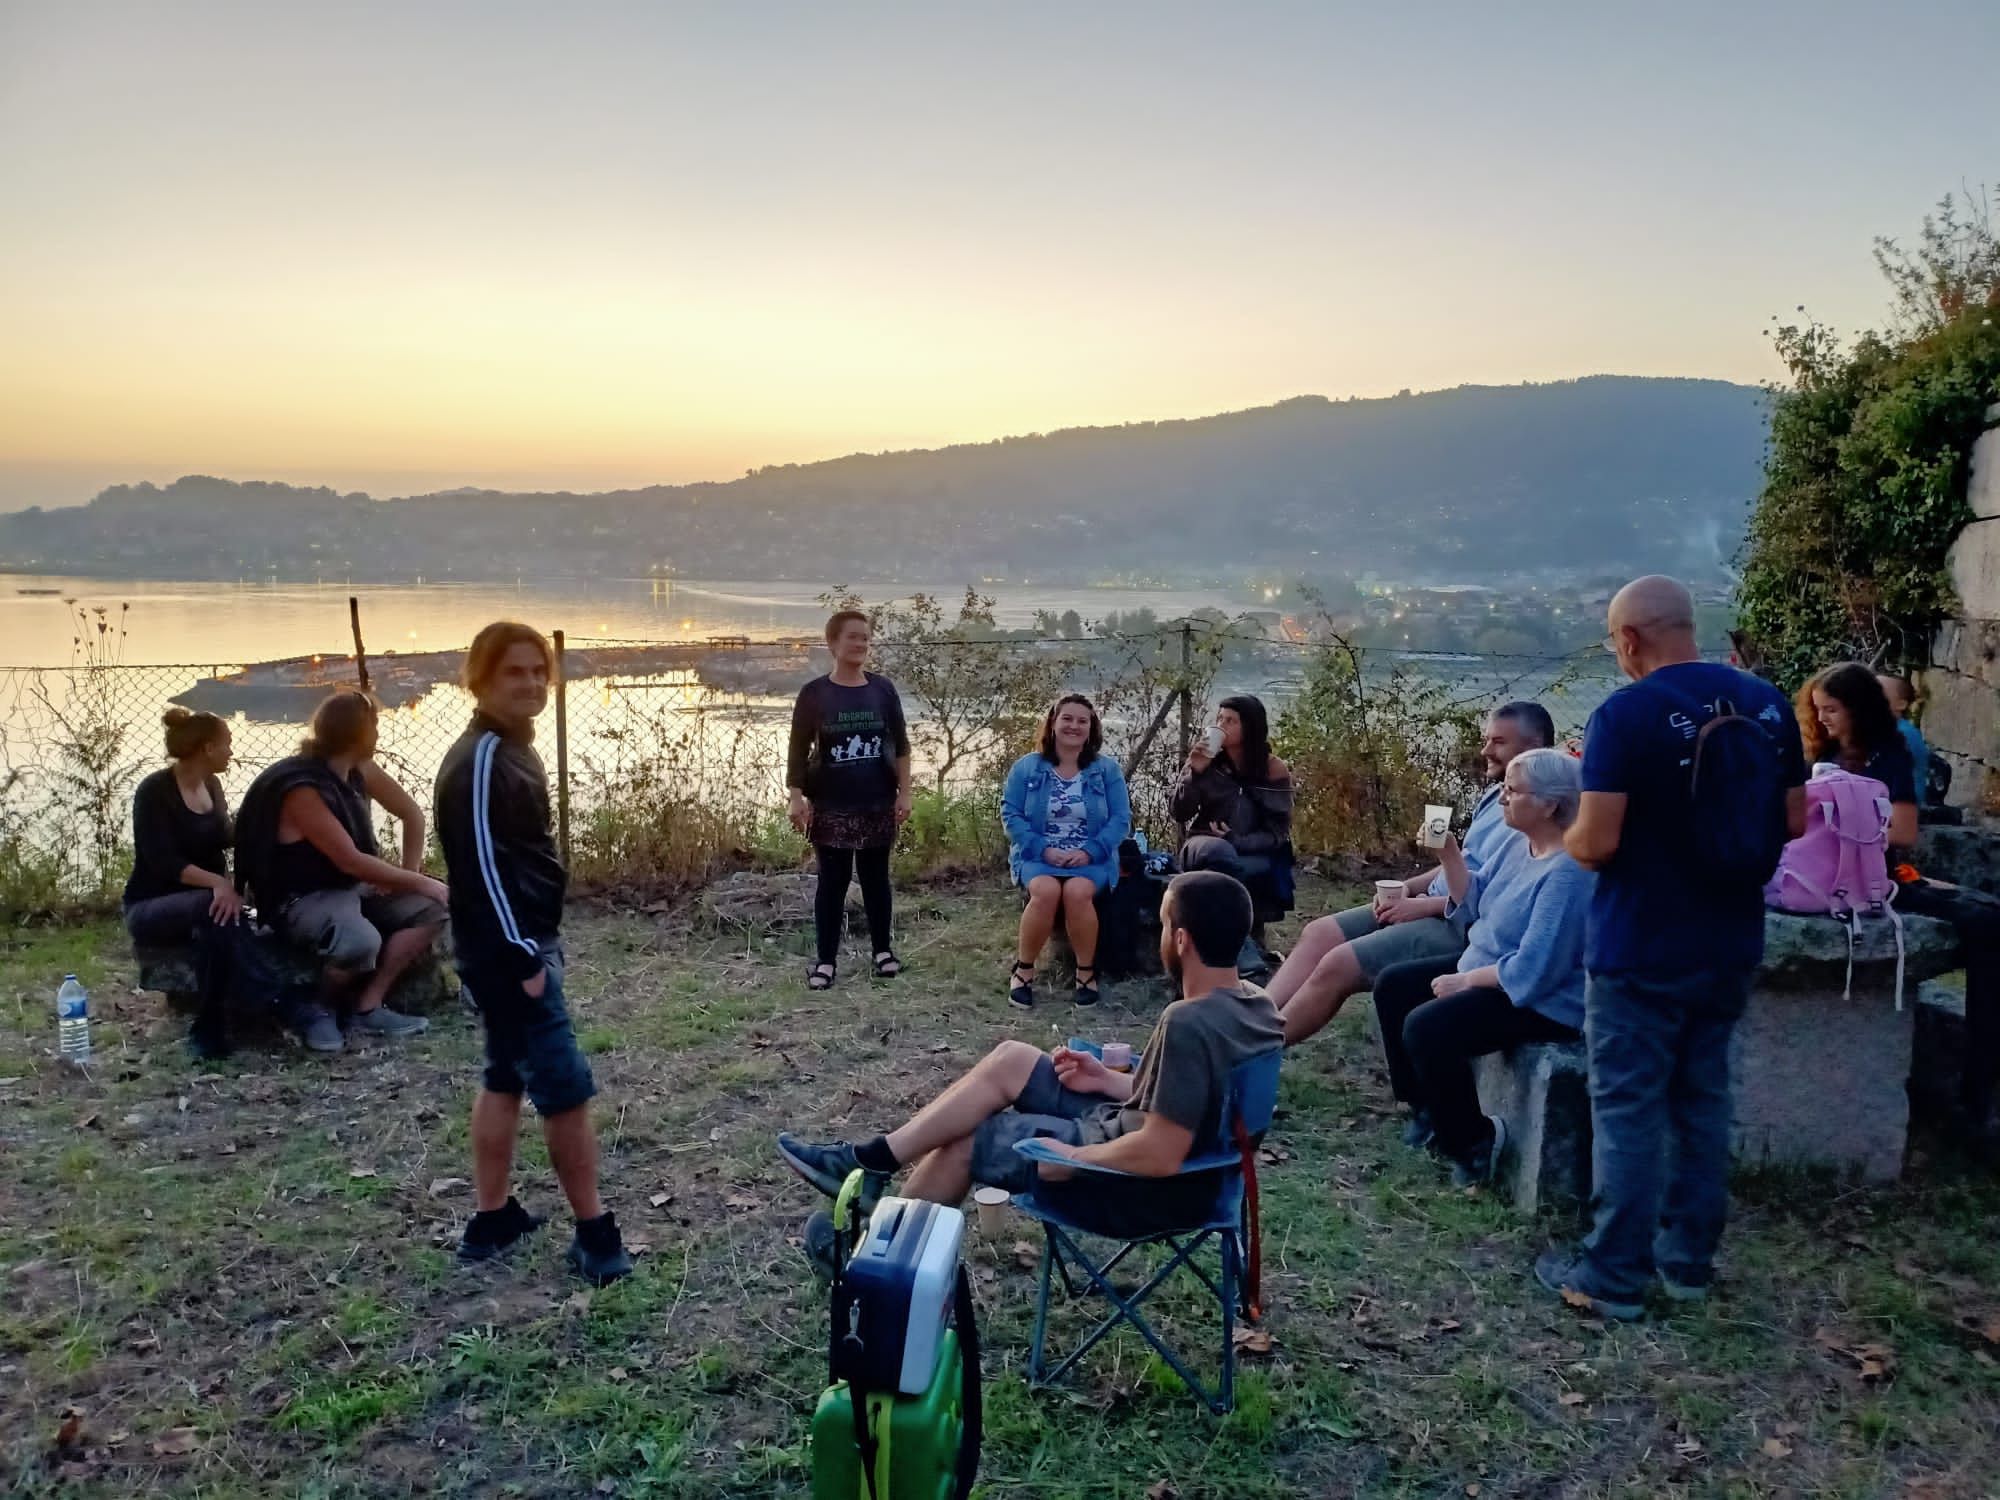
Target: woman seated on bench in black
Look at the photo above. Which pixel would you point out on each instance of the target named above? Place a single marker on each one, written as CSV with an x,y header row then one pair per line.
x,y
1236,803
180,891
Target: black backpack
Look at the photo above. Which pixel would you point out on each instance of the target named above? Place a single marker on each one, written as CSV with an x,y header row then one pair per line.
x,y
1736,794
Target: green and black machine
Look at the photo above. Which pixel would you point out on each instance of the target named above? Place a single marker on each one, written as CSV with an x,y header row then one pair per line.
x,y
901,1418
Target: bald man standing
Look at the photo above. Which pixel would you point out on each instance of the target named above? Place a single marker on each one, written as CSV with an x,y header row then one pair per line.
x,y
1669,953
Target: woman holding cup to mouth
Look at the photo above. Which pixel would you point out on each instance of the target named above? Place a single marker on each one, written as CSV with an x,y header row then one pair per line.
x,y
1066,811
1235,799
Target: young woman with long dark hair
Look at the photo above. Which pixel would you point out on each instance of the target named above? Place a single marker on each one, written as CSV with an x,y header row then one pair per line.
x,y
849,774
1846,721
180,890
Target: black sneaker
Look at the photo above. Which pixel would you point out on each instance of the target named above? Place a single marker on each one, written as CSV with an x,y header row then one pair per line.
x,y
494,1231
1568,1276
208,1043
818,1243
826,1165
596,1253
317,1029
1484,1164
1418,1132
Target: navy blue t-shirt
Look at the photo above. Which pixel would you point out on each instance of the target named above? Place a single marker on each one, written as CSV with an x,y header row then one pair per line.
x,y
1652,911
1892,765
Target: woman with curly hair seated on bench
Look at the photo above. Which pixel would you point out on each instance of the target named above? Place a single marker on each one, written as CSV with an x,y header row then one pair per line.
x,y
180,892
1066,811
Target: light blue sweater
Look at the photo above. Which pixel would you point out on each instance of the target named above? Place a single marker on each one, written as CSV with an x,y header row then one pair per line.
x,y
1527,921
1486,835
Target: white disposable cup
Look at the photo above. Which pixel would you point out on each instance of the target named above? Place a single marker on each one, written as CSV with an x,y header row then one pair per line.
x,y
1118,1056
1437,823
1388,890
992,1205
1212,739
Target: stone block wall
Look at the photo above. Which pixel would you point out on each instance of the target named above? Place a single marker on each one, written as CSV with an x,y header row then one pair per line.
x,y
1961,715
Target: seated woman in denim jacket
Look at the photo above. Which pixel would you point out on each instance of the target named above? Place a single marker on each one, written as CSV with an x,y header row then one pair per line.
x,y
1066,811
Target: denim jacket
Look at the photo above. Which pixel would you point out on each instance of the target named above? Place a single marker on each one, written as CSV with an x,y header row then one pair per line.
x,y
1024,802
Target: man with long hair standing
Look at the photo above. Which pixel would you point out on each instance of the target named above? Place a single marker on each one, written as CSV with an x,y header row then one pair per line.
x,y
507,887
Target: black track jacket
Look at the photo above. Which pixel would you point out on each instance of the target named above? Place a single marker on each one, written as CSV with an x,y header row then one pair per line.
x,y
507,881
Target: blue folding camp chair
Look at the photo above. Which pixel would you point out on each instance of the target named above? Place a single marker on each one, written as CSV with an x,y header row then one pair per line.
x,y
1232,1221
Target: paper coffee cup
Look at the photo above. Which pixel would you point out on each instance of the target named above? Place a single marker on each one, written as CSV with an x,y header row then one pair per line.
x,y
1118,1056
1437,824
1389,890
992,1205
1212,738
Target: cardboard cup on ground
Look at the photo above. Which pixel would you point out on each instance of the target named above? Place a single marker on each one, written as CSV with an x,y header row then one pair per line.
x,y
1437,823
992,1202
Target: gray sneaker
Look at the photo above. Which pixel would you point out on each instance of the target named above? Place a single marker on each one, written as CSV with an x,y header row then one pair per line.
x,y
382,1021
317,1029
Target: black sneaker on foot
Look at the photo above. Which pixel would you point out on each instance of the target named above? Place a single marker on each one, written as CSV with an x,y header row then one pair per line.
x,y
826,1165
1417,1130
206,1043
494,1231
1484,1164
817,1243
1567,1274
596,1253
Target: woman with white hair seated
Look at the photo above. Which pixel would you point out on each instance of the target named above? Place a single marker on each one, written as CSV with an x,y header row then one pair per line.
x,y
1520,978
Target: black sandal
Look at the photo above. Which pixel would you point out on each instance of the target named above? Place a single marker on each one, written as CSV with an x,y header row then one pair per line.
x,y
1086,993
887,965
821,976
1022,995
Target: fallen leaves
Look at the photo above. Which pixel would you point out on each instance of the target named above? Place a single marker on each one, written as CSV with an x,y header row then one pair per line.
x,y
660,1200
741,1202
70,1433
1253,1342
175,1442
442,1185
1777,1448
1571,1398
358,1172
1027,1254
1576,1299
1875,1363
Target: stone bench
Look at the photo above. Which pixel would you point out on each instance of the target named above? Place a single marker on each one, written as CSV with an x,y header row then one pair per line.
x,y
427,985
1818,1077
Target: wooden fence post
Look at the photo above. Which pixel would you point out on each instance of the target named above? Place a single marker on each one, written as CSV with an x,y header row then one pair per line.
x,y
360,655
562,753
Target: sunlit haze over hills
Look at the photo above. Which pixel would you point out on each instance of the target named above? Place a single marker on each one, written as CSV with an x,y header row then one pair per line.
x,y
403,249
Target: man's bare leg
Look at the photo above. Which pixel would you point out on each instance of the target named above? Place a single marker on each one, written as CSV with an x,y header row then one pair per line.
x,y
992,1084
496,1119
399,951
1317,939
1319,998
944,1175
573,1154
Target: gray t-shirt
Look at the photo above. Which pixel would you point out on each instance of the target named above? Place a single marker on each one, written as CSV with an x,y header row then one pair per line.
x,y
1185,1072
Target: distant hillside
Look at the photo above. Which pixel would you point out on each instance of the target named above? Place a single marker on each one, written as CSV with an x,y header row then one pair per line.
x,y
1607,473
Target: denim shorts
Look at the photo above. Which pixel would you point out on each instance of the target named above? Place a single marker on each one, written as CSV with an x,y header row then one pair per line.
x,y
530,1045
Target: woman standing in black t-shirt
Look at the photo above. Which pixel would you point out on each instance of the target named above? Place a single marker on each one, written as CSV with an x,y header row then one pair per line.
x,y
180,891
849,774
1847,721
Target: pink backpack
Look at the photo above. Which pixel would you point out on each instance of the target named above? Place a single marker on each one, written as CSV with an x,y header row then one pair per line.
x,y
1839,867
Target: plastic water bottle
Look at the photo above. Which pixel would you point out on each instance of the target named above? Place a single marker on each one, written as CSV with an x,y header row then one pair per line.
x,y
73,1021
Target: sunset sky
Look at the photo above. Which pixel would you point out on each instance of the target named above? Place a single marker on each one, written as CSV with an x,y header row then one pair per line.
x,y
412,246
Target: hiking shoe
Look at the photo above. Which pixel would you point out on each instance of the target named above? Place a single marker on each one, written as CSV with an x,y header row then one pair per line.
x,y
317,1029
382,1021
493,1232
597,1253
1679,1290
208,1043
818,1243
1567,1274
1484,1165
1418,1131
826,1165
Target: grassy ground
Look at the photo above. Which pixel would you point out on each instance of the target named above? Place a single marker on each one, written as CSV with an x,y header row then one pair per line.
x,y
240,1275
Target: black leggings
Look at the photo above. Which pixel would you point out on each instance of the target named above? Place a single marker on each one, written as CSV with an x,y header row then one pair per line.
x,y
183,918
836,867
1431,1045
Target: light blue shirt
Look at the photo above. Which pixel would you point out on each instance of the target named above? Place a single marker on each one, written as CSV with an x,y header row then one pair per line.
x,y
1920,756
1528,918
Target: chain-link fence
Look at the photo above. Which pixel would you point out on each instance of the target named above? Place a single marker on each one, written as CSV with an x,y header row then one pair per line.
x,y
661,753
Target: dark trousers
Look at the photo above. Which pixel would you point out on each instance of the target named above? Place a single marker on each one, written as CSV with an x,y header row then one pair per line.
x,y
1976,916
836,868
1431,1045
164,921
